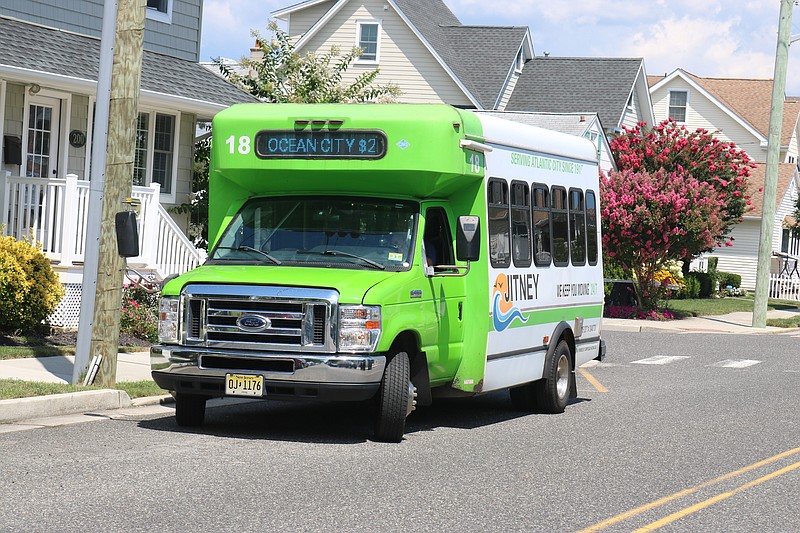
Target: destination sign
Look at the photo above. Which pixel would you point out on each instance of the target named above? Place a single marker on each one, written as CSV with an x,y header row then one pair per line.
x,y
321,144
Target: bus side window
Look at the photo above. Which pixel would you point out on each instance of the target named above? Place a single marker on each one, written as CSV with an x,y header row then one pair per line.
x,y
558,197
438,240
577,227
520,224
541,225
591,227
499,223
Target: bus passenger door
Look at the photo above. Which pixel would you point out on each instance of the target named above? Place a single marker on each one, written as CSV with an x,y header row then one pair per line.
x,y
447,292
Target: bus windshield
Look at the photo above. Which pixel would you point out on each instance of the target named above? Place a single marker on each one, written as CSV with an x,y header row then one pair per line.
x,y
361,233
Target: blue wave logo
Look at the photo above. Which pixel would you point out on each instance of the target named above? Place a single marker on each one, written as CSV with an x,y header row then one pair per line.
x,y
503,311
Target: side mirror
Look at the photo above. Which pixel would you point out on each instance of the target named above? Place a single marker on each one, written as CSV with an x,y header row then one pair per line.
x,y
127,234
468,238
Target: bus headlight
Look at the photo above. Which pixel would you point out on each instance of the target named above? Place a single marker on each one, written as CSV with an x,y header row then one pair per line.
x,y
168,319
359,328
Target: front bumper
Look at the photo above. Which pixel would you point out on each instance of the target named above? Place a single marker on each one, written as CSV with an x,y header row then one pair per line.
x,y
201,371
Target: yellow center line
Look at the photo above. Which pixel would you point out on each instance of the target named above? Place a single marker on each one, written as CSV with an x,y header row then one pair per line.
x,y
666,499
711,501
591,379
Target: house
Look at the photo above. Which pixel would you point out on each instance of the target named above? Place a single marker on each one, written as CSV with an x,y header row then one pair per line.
x,y
614,88
49,56
419,45
732,109
738,110
742,257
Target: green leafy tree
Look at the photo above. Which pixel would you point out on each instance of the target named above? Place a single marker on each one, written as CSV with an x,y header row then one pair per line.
x,y
794,229
281,74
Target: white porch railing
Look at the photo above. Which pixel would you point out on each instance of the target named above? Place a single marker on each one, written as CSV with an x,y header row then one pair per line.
x,y
54,213
784,288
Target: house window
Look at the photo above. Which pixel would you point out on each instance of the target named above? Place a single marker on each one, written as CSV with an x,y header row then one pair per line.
x,y
368,36
677,105
519,62
160,10
154,158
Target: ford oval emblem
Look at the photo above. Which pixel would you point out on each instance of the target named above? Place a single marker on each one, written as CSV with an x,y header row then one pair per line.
x,y
253,323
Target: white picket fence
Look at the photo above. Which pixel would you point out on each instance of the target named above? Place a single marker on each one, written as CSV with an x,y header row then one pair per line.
x,y
784,288
54,212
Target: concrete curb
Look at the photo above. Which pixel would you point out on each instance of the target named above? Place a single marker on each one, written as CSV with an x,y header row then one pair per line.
x,y
62,404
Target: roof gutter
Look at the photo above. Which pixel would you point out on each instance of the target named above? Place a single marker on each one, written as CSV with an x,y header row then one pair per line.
x,y
202,108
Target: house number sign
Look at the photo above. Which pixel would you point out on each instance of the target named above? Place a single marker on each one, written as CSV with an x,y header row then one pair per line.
x,y
77,138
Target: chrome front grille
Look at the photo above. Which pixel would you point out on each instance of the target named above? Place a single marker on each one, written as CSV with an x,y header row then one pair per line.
x,y
260,317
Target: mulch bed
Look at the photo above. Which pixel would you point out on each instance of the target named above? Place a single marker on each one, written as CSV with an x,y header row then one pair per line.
x,y
57,337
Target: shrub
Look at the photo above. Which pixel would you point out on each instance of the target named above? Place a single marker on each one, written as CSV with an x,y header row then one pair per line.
x,y
29,289
729,279
691,287
706,281
139,314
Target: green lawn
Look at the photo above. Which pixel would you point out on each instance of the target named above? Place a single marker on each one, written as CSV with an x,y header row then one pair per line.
x,y
721,306
15,388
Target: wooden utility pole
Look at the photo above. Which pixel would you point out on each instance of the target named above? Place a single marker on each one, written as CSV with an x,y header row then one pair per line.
x,y
773,158
122,120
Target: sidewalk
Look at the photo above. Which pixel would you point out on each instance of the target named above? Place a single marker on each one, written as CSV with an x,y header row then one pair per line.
x,y
738,323
58,369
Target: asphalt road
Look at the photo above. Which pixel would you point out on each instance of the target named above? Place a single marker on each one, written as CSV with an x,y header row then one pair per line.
x,y
706,440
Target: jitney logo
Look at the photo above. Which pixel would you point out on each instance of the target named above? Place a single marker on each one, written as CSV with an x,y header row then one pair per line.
x,y
505,291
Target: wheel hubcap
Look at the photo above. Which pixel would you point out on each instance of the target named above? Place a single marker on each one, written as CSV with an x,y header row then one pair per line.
x,y
562,376
412,398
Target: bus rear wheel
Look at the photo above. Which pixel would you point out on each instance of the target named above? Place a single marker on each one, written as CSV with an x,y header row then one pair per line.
x,y
551,393
395,399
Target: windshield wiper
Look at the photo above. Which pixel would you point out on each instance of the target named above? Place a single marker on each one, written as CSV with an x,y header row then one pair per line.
x,y
262,252
250,249
344,254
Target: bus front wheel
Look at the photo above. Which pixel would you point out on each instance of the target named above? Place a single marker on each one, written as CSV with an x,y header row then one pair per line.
x,y
395,399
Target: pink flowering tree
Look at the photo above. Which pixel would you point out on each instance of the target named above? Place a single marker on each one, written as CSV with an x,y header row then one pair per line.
x,y
652,218
696,155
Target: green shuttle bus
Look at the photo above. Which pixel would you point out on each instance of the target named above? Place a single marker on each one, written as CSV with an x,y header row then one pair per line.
x,y
387,252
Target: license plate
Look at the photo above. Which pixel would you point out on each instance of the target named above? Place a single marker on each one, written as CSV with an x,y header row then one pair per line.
x,y
244,385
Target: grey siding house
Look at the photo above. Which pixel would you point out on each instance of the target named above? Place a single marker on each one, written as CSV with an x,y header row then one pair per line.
x,y
49,58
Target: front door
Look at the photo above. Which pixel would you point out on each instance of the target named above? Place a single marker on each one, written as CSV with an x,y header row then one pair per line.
x,y
447,291
43,127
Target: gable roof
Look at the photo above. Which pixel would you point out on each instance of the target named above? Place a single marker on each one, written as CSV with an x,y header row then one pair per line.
x,y
599,85
786,173
747,100
479,59
52,57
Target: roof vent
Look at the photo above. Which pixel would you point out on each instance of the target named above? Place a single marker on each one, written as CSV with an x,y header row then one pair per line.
x,y
547,54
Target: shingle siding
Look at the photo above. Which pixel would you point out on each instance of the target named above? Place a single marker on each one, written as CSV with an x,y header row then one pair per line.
x,y
179,39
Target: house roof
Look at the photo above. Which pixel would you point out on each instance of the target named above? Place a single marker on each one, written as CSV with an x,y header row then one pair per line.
x,y
31,52
786,173
567,84
571,123
748,98
480,58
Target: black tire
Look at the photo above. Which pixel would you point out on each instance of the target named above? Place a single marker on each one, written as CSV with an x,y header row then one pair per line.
x,y
552,392
190,411
393,399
